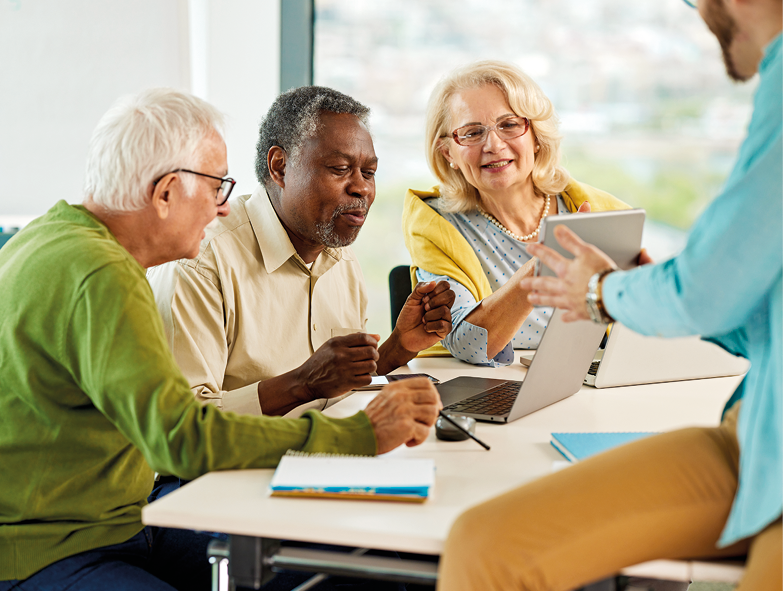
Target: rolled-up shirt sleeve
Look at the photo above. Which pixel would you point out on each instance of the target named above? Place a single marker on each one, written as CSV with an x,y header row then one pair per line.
x,y
191,305
724,271
467,341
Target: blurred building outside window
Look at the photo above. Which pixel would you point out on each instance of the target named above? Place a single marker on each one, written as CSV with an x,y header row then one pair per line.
x,y
646,110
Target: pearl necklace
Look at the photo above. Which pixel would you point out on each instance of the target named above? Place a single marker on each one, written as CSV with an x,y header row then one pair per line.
x,y
502,228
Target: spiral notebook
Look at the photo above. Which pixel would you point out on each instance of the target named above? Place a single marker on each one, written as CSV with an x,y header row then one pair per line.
x,y
353,477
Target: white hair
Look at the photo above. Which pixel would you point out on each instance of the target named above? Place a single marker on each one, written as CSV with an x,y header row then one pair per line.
x,y
140,139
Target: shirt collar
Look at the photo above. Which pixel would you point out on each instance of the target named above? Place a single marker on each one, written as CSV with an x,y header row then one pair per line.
x,y
771,52
276,247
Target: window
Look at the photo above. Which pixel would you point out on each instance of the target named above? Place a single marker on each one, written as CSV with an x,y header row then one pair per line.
x,y
647,112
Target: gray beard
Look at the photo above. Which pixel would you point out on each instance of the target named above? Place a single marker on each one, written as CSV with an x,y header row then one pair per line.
x,y
326,234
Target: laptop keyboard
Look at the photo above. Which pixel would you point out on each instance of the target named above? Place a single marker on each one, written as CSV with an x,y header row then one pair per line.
x,y
496,401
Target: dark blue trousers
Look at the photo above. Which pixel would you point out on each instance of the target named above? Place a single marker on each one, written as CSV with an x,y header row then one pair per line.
x,y
157,559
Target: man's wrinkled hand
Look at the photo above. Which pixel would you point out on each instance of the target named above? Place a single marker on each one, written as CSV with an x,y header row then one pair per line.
x,y
403,412
339,365
566,291
425,318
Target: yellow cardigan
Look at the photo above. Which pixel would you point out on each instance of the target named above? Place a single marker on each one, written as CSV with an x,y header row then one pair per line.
x,y
435,245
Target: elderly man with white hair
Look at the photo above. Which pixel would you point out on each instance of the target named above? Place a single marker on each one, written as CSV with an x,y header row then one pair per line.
x,y
92,401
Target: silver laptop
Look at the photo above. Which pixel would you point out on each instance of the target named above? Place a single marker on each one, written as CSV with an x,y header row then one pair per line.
x,y
566,350
630,358
564,355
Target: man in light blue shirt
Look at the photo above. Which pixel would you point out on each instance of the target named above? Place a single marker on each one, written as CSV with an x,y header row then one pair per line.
x,y
696,492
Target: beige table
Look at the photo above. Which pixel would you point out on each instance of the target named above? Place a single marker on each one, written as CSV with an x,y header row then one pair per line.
x,y
466,474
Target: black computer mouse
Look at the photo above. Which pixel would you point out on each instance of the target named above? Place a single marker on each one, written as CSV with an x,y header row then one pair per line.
x,y
448,432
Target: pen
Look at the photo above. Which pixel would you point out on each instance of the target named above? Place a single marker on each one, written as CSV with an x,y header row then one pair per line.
x,y
465,431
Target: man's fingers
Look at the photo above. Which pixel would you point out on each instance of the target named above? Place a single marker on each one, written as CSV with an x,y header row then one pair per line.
x,y
427,395
440,287
440,294
425,414
569,240
346,385
361,380
645,258
570,316
441,328
357,339
549,257
439,313
362,368
422,390
359,354
422,289
403,413
445,299
419,435
540,284
548,299
419,390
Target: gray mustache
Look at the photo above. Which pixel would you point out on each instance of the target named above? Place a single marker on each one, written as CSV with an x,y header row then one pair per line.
x,y
358,206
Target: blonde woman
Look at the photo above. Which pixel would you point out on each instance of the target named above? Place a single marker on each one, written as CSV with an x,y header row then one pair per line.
x,y
493,143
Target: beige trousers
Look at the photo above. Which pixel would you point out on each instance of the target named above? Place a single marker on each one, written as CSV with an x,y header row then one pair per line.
x,y
664,497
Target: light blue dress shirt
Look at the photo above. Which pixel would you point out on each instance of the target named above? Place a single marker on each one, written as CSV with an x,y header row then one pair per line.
x,y
500,257
726,285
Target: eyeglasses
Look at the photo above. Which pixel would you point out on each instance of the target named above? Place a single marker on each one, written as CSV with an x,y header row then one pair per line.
x,y
507,129
691,3
226,184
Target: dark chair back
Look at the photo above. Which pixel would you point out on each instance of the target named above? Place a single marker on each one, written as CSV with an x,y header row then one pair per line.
x,y
5,237
399,290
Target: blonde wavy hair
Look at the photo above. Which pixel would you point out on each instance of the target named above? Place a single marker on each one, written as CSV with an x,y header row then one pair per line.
x,y
525,98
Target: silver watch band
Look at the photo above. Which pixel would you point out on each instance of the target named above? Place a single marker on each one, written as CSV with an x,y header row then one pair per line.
x,y
594,301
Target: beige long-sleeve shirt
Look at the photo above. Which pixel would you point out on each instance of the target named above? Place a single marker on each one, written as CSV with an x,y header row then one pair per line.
x,y
247,308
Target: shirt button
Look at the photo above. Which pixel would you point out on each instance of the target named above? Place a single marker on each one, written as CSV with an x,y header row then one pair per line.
x,y
315,326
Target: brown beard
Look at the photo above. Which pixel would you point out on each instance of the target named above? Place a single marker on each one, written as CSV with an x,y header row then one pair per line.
x,y
723,26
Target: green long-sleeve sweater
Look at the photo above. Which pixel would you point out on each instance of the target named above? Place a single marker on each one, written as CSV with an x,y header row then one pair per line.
x,y
91,400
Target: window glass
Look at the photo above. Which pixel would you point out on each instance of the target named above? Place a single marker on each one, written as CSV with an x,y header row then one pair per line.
x,y
647,112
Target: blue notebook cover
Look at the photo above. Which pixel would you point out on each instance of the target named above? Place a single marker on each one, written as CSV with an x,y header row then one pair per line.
x,y
336,476
578,446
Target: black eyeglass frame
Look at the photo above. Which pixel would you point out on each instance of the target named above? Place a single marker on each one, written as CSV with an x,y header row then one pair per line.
x,y
487,128
226,183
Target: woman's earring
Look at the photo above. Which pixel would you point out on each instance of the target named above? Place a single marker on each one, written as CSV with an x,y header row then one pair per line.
x,y
538,147
454,166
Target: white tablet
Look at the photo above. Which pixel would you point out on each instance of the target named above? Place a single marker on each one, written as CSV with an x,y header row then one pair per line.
x,y
617,233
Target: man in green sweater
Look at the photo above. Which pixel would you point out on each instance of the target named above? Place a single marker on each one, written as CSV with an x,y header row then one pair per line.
x,y
92,402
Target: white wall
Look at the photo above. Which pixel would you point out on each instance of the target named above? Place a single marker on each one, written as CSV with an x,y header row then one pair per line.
x,y
62,64
243,75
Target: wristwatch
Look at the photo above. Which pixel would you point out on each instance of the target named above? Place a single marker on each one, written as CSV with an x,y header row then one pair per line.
x,y
594,301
